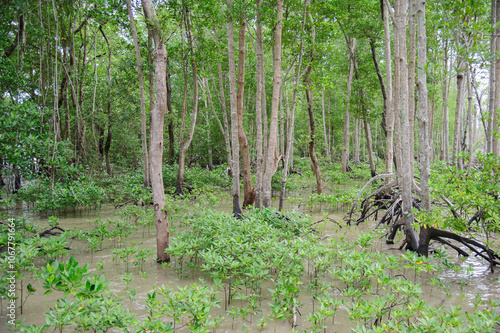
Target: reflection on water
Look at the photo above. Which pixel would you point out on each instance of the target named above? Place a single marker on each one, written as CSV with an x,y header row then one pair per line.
x,y
463,285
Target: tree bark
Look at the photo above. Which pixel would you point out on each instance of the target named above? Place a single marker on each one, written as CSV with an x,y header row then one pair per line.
x,y
222,101
458,116
260,76
171,137
389,118
142,98
446,127
488,130
234,114
411,78
345,148
325,133
156,147
291,116
272,149
356,140
369,146
423,124
495,129
248,190
406,173
179,190
312,123
107,145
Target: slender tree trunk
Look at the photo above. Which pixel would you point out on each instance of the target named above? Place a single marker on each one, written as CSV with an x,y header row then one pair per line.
x,y
495,129
468,124
356,140
345,149
151,87
474,129
310,109
411,77
369,146
389,118
272,149
458,116
187,142
259,50
327,146
184,105
423,124
446,127
171,137
142,95
223,128
291,115
282,125
248,190
406,174
222,101
107,145
234,114
493,79
156,147
207,120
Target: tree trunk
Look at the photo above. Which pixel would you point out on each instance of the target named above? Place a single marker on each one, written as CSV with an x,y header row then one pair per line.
x,y
468,124
369,146
389,118
248,190
423,124
142,98
207,120
272,149
222,101
282,124
406,173
488,130
187,142
156,147
495,129
312,123
184,104
171,138
446,120
260,76
458,116
411,78
107,145
356,140
234,114
291,116
345,148
327,146
474,129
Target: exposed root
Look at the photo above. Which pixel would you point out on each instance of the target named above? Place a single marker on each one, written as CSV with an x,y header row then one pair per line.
x,y
387,199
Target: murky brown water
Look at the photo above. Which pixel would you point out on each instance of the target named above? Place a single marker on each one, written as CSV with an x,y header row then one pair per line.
x,y
464,285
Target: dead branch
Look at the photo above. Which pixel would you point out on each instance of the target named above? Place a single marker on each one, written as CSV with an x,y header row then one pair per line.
x,y
126,203
51,232
362,189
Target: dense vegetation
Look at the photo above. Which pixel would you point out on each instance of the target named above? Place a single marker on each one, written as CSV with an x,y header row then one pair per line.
x,y
385,111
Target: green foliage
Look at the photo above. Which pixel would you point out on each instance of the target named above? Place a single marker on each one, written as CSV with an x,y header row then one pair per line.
x,y
197,176
474,194
66,195
91,307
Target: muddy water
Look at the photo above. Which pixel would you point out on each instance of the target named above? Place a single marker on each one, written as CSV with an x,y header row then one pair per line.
x,y
471,281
